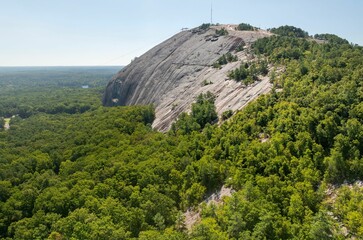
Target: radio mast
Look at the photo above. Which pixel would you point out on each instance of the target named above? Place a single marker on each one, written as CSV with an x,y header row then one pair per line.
x,y
211,12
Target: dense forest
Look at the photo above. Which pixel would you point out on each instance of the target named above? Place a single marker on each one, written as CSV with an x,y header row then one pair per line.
x,y
25,90
293,157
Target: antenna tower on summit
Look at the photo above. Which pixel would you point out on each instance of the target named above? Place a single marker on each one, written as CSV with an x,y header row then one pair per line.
x,y
211,12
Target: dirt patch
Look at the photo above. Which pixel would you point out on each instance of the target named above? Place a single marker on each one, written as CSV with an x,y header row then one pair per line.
x,y
7,123
192,217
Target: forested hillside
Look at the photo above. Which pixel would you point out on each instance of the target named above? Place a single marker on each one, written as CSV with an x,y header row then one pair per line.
x,y
293,158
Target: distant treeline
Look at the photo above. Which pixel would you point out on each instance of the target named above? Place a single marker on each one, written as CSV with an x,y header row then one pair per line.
x,y
25,91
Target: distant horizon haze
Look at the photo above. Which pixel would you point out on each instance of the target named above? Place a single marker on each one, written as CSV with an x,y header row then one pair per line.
x,y
60,66
112,33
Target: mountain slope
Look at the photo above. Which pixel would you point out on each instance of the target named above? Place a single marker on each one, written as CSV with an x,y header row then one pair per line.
x,y
172,74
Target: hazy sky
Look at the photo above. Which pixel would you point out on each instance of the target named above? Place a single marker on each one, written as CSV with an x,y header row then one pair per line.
x,y
112,32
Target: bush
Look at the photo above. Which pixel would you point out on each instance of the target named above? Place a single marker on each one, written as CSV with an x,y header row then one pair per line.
x,y
205,26
203,112
245,27
221,32
227,114
206,82
248,73
224,59
240,47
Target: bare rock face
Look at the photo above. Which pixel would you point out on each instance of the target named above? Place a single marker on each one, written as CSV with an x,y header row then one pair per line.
x,y
172,74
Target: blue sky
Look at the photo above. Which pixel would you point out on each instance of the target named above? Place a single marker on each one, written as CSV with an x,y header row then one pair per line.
x,y
112,32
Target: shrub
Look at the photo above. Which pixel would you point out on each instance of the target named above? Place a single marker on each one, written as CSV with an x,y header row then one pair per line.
x,y
221,32
245,27
240,47
248,73
224,59
205,26
227,114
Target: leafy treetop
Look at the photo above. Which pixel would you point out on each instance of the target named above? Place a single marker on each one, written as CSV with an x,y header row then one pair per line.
x,y
331,38
290,31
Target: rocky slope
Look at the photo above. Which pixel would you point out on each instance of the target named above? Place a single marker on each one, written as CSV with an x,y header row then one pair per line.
x,y
173,73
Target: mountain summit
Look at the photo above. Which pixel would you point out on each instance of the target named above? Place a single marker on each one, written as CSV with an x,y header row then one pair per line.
x,y
172,74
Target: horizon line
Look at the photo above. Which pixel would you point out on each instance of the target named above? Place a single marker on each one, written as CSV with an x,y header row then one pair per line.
x,y
62,66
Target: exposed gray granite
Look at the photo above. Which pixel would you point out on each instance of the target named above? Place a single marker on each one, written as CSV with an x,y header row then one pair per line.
x,y
171,75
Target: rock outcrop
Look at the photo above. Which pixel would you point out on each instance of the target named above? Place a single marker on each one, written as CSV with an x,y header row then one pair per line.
x,y
173,73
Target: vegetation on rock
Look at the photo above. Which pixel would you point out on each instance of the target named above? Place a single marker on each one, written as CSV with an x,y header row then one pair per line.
x,y
205,26
221,32
203,113
224,59
245,27
249,72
